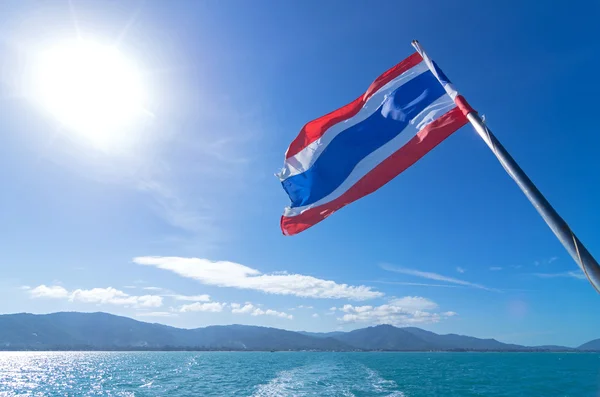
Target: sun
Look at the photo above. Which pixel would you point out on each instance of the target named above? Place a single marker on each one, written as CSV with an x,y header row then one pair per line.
x,y
92,90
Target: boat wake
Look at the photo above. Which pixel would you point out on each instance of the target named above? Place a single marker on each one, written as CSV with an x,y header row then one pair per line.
x,y
328,379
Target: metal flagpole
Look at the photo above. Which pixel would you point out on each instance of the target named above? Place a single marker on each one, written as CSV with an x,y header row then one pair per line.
x,y
563,232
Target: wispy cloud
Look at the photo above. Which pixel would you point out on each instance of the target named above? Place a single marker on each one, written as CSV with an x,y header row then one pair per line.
x,y
275,313
115,297
545,261
245,309
166,293
249,308
213,307
209,140
417,284
460,269
434,276
305,307
52,292
315,315
570,274
403,311
495,268
191,298
414,303
216,154
96,295
235,275
174,210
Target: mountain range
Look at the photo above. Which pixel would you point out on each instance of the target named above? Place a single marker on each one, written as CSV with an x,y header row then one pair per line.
x,y
102,331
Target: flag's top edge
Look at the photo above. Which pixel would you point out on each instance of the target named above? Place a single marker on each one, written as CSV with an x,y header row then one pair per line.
x,y
314,129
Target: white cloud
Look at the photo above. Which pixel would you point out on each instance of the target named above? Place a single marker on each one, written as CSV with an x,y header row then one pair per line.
x,y
403,311
305,307
152,288
115,297
275,313
460,269
52,292
191,298
333,308
96,295
570,274
315,315
235,275
414,303
149,301
213,307
495,268
25,288
247,308
418,284
155,314
253,310
434,276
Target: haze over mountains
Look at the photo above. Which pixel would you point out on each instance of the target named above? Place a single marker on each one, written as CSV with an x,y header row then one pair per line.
x,y
102,331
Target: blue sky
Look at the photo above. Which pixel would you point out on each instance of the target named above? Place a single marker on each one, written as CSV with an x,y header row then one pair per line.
x,y
180,224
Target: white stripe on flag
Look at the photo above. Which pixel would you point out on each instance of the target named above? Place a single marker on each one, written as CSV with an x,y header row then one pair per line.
x,y
304,159
437,109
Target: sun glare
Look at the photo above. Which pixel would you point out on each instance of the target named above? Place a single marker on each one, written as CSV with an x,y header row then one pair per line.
x,y
92,90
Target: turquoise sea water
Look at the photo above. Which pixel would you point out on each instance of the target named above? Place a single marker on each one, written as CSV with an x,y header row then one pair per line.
x,y
298,374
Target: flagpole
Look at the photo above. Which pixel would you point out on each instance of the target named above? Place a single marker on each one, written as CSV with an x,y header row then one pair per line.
x,y
561,229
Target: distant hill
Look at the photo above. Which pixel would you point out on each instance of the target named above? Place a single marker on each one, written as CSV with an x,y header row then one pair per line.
x,y
384,337
322,334
554,348
102,331
593,345
245,337
106,331
453,341
387,337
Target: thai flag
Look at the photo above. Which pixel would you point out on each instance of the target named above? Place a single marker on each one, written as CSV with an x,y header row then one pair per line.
x,y
353,151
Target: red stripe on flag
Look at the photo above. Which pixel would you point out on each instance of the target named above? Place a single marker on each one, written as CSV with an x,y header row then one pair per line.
x,y
428,138
463,105
313,130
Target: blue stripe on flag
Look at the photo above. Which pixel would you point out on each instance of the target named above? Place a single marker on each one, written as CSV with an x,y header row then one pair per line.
x,y
347,149
443,78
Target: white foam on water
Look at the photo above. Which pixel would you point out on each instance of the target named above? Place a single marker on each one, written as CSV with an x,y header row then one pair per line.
x,y
322,379
382,385
286,383
329,379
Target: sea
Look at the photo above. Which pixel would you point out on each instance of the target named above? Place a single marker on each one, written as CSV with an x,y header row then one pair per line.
x,y
298,374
